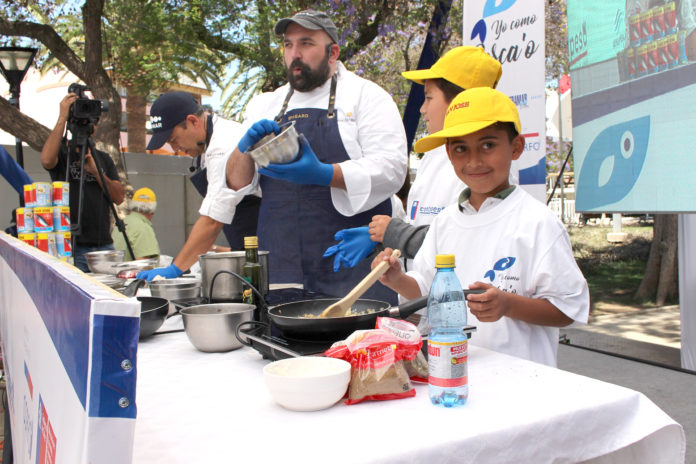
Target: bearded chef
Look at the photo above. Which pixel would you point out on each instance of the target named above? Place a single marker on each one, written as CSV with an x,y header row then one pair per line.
x,y
352,159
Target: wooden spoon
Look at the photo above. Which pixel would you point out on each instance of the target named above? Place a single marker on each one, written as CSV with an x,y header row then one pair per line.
x,y
342,306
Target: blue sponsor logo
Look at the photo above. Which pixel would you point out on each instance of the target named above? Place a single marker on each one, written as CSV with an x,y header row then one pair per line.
x,y
500,265
414,209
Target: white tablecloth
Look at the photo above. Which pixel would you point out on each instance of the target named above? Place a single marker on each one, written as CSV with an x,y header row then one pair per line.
x,y
198,407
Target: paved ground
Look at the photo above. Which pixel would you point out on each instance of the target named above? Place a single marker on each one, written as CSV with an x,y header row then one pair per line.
x,y
652,337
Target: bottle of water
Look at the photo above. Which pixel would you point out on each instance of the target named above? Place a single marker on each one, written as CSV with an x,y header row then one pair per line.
x,y
447,342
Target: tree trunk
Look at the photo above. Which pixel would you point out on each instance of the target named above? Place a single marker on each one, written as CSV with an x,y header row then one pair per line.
x,y
135,120
660,279
22,126
667,289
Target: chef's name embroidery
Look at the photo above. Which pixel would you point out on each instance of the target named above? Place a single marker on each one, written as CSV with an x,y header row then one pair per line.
x,y
298,116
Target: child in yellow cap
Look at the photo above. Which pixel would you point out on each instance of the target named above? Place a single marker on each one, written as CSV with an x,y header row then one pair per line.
x,y
504,240
436,185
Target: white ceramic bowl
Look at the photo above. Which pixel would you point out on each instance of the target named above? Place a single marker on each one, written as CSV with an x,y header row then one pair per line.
x,y
307,383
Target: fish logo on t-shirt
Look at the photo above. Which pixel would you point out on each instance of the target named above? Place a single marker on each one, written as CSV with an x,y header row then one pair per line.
x,y
500,265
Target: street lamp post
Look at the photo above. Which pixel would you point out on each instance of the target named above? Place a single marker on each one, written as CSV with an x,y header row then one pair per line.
x,y
14,63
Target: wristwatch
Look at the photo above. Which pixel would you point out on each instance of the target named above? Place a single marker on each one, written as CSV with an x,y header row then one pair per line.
x,y
215,248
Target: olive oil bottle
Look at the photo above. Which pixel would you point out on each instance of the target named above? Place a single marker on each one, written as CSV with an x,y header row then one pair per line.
x,y
251,270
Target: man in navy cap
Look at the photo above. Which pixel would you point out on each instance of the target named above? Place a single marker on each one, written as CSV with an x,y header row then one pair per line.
x,y
178,119
352,158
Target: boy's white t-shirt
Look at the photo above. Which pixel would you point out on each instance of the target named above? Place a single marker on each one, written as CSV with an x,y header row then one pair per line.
x,y
519,246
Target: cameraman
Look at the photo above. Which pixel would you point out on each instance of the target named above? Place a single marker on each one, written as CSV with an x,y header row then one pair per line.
x,y
96,220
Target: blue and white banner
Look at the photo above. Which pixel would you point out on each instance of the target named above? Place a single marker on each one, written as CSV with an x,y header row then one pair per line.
x,y
69,350
512,31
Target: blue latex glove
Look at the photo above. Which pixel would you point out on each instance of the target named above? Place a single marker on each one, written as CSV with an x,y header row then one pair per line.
x,y
307,169
353,247
256,132
167,272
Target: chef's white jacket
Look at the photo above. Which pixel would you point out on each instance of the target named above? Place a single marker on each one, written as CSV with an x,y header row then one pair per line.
x,y
371,130
220,202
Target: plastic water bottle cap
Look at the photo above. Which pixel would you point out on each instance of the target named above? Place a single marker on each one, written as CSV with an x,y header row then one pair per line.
x,y
444,260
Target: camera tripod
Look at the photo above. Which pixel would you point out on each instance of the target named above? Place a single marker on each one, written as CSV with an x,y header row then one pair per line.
x,y
82,141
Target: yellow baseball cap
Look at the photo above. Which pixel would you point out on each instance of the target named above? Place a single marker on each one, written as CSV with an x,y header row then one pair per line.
x,y
465,66
470,111
144,195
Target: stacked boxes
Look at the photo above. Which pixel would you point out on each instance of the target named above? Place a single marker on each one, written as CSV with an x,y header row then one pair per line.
x,y
44,222
655,43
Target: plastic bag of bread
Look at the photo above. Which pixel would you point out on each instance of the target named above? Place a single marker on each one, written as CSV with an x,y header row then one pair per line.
x,y
377,357
416,367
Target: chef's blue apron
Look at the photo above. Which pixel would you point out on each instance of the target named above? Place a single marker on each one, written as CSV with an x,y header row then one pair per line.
x,y
247,212
297,222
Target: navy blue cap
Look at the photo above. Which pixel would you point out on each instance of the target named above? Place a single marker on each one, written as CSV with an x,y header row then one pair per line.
x,y
166,112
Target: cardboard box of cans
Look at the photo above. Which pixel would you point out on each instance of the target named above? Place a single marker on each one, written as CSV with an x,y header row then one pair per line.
x,y
655,43
44,222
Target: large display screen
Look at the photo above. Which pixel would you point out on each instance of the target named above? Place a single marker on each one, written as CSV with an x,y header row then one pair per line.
x,y
633,68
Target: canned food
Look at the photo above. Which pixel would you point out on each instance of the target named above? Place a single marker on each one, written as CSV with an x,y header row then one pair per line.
x,y
64,244
681,39
670,14
44,197
658,21
641,61
631,60
43,219
662,54
29,195
61,218
46,241
634,30
672,50
25,220
653,57
28,238
61,194
646,29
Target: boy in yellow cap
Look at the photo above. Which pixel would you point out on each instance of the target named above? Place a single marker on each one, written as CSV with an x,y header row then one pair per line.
x,y
141,234
436,185
505,241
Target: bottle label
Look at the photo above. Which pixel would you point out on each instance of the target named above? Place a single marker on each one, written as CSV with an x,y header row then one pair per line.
x,y
447,363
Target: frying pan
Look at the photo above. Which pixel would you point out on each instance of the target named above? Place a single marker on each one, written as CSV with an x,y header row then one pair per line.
x,y
292,320
153,310
295,319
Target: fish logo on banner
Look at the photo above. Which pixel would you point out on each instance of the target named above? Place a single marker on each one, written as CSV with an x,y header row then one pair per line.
x,y
613,164
489,9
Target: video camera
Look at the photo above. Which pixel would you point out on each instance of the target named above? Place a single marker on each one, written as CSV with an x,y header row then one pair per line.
x,y
85,110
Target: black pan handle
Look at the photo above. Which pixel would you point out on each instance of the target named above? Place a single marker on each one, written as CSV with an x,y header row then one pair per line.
x,y
132,288
238,331
406,309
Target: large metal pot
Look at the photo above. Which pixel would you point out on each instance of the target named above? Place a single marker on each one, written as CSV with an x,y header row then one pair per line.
x,y
227,287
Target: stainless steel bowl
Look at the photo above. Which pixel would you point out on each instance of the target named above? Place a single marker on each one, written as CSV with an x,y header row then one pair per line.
x,y
102,262
182,288
279,149
227,287
211,328
138,264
